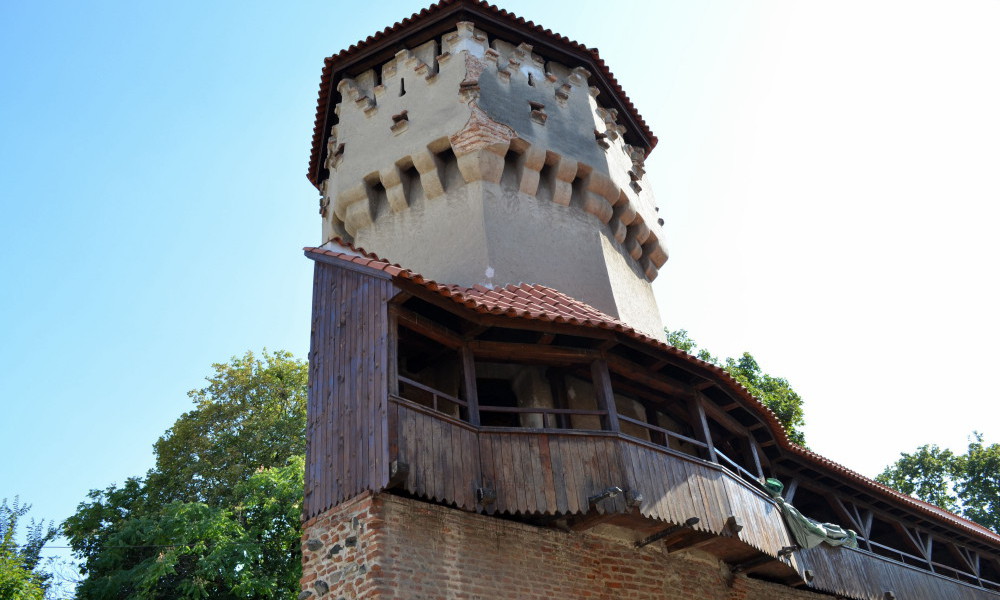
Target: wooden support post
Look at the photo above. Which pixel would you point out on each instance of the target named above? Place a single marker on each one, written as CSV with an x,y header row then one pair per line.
x,y
605,396
793,485
469,383
706,434
755,451
392,347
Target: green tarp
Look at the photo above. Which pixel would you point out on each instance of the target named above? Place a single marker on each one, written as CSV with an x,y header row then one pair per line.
x,y
809,532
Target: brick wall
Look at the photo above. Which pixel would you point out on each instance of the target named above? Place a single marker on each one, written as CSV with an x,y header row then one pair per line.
x,y
384,546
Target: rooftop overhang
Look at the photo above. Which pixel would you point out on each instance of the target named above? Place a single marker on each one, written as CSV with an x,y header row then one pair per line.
x,y
437,20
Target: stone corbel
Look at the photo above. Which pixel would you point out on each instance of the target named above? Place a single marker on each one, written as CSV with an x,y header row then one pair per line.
x,y
485,164
354,207
601,193
655,251
430,168
563,174
529,166
395,182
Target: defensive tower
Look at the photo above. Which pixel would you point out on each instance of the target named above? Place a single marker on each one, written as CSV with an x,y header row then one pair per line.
x,y
498,418
486,151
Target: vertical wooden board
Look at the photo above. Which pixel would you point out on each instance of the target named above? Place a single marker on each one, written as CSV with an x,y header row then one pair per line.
x,y
558,474
605,475
374,366
541,480
669,506
505,473
545,460
444,471
391,436
699,498
570,458
407,450
487,473
523,475
429,441
641,481
503,457
456,463
342,383
473,466
660,482
675,501
588,472
576,451
453,461
613,447
419,465
512,451
716,496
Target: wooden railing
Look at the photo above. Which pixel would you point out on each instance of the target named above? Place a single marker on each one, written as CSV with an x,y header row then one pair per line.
x,y
435,394
665,434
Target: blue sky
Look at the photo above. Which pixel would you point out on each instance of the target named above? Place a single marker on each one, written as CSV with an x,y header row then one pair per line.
x,y
827,172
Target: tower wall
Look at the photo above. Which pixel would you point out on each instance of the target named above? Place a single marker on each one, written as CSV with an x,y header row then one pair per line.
x,y
475,161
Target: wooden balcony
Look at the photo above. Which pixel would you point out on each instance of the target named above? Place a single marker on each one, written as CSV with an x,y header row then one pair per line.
x,y
557,426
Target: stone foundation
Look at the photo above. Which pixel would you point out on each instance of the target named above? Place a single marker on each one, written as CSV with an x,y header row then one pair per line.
x,y
384,546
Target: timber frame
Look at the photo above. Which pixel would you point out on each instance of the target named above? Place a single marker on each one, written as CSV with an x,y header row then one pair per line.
x,y
375,425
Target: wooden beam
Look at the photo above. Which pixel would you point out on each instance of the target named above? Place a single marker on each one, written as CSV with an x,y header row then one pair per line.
x,y
426,327
793,486
640,374
546,338
392,350
724,418
698,410
469,381
755,452
512,352
471,331
605,395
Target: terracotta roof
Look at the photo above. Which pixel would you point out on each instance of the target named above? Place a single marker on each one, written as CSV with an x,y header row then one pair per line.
x,y
440,10
538,302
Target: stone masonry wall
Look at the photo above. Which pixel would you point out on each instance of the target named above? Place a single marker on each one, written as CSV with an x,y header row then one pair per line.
x,y
384,546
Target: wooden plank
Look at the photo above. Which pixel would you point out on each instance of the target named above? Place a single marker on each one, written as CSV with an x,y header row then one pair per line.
x,y
559,480
488,473
504,351
605,395
706,433
539,470
469,380
640,374
545,460
568,448
427,328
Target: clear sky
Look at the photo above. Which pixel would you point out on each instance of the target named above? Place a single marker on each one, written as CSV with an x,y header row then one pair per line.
x,y
827,170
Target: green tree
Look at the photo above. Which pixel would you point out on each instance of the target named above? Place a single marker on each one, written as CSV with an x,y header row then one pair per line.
x,y
775,392
21,576
218,515
967,484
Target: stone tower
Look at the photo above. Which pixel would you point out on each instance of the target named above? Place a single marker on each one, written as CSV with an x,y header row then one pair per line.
x,y
496,416
489,151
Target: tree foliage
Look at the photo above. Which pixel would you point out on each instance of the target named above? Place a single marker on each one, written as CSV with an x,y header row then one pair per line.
x,y
775,392
967,484
21,577
218,515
